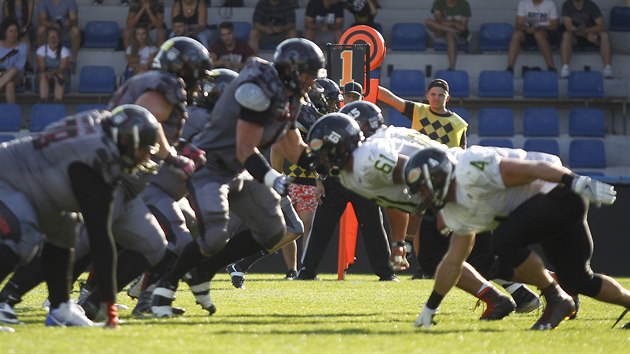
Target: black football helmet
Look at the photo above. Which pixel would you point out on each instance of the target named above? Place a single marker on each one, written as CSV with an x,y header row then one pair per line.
x,y
325,96
213,86
430,169
185,58
295,56
332,139
306,118
367,114
133,127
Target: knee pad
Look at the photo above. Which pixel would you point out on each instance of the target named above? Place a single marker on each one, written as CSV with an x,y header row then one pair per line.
x,y
587,283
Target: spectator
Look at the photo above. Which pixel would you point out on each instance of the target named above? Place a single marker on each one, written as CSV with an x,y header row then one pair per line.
x,y
140,52
52,62
195,14
352,91
324,19
273,22
149,13
536,23
364,11
450,23
229,52
12,58
62,15
24,16
584,27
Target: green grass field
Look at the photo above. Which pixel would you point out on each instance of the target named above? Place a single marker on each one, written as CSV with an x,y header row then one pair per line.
x,y
356,315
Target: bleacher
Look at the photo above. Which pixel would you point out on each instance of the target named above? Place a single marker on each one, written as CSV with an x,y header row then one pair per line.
x,y
471,94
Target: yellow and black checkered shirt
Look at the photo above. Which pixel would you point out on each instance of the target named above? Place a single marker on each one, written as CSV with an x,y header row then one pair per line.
x,y
448,128
301,175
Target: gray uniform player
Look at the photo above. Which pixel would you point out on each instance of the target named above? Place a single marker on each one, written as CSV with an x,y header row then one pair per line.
x,y
256,110
72,166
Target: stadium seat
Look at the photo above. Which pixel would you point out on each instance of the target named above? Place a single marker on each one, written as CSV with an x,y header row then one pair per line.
x,y
394,117
6,137
590,122
496,83
587,153
43,114
10,117
97,79
541,121
541,84
408,37
458,82
498,142
462,112
495,37
549,146
620,19
442,46
101,34
495,122
241,30
586,84
407,82
88,106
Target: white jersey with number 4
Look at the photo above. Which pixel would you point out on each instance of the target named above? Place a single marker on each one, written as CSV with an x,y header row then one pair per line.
x,y
373,167
482,197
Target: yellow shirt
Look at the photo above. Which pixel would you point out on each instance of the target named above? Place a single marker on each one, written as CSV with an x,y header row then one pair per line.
x,y
448,128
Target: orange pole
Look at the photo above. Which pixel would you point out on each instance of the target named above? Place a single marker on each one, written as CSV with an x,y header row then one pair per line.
x,y
348,228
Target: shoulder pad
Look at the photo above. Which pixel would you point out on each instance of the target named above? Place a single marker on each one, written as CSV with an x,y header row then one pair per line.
x,y
252,97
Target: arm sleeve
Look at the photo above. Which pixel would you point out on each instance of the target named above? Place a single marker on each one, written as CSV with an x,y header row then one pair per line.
x,y
409,108
95,198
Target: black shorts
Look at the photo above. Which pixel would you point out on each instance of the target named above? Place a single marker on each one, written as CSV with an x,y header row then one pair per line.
x,y
530,40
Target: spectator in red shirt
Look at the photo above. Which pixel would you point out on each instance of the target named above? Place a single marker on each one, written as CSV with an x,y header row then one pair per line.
x,y
229,52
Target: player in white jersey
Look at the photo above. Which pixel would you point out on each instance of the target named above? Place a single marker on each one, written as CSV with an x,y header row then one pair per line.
x,y
525,198
374,169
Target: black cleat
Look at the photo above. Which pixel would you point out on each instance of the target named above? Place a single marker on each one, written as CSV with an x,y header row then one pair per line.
x,y
526,300
306,275
291,275
560,306
236,276
497,305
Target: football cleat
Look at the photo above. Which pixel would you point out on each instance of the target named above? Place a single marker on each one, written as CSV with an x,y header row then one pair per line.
x,y
291,274
143,307
162,302
135,288
68,314
560,306
304,274
202,296
7,329
7,315
526,300
84,292
497,304
236,275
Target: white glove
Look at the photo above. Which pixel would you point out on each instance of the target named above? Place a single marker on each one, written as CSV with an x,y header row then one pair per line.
x,y
594,191
426,318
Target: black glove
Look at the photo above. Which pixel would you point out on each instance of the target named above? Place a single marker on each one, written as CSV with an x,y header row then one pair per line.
x,y
181,164
281,185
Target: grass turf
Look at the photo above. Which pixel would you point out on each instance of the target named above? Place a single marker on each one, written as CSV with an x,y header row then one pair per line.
x,y
360,314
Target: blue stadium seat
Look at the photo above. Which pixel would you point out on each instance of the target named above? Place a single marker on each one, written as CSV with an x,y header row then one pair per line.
x,y
496,83
442,46
541,84
394,117
462,112
97,79
619,19
10,117
101,34
498,142
88,106
6,137
43,114
587,153
586,84
407,82
495,122
550,146
458,82
495,37
541,121
589,122
241,30
408,37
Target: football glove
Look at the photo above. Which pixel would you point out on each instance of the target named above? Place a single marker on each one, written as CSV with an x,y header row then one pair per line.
x,y
180,164
192,152
594,191
425,319
281,185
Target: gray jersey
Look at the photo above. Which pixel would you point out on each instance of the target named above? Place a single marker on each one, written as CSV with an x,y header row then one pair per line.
x,y
170,86
218,137
39,164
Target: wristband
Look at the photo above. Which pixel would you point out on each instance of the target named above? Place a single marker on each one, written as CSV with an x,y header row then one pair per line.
x,y
257,166
567,179
270,177
397,244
